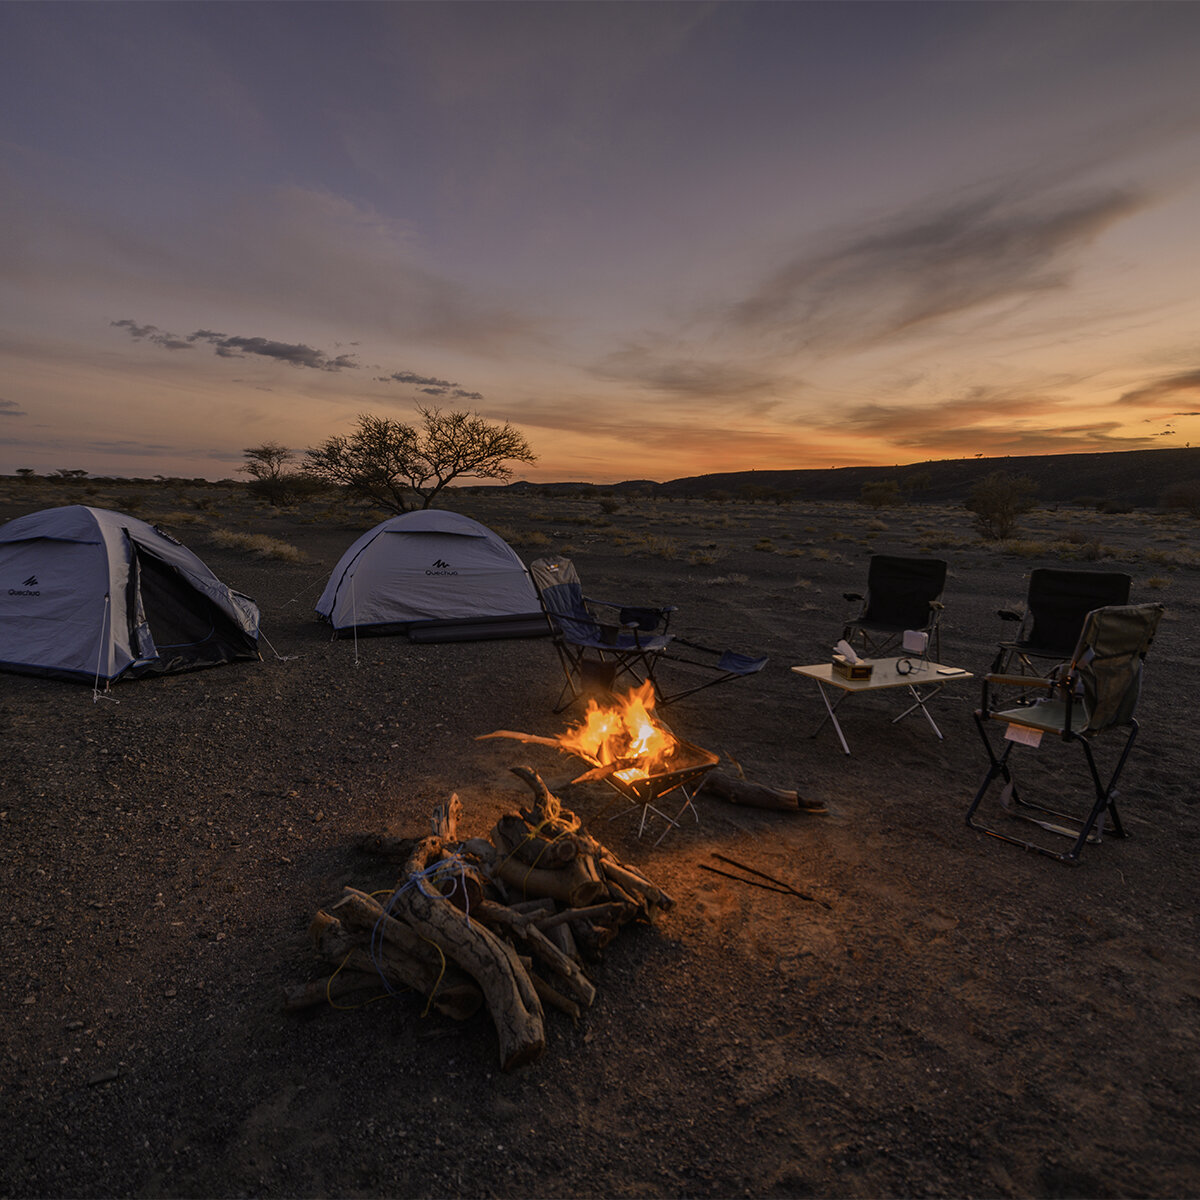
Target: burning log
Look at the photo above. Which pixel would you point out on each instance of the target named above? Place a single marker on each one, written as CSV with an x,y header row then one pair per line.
x,y
446,934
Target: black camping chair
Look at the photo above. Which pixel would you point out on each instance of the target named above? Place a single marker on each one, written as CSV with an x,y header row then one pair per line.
x,y
902,594
598,641
1094,694
1055,608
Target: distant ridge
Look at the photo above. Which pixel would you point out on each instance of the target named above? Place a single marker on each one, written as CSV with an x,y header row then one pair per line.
x,y
1133,478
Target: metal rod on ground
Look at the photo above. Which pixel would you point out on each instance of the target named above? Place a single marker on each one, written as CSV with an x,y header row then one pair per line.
x,y
771,878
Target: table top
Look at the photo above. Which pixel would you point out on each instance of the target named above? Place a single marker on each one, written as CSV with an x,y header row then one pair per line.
x,y
885,675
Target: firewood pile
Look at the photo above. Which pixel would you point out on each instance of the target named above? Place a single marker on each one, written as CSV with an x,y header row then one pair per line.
x,y
507,921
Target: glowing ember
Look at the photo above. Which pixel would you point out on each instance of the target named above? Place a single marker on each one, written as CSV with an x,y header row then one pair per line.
x,y
625,733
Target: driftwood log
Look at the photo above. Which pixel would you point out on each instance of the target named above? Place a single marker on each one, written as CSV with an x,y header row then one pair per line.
x,y
736,790
505,922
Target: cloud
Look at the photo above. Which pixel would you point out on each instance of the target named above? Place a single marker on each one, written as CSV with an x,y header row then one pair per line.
x,y
152,333
10,408
992,421
295,354
679,374
921,267
430,386
1164,389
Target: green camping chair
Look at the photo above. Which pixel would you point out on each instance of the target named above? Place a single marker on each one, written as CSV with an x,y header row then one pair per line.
x,y
1092,696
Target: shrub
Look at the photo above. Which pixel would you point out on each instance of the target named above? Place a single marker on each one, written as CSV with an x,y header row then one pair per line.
x,y
258,544
882,493
998,501
1184,497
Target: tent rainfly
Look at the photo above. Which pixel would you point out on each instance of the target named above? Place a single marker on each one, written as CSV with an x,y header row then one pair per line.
x,y
435,576
95,595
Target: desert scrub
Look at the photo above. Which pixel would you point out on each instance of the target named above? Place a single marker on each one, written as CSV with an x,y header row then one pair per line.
x,y
660,547
875,525
1157,582
178,518
727,580
765,545
258,544
705,556
1026,548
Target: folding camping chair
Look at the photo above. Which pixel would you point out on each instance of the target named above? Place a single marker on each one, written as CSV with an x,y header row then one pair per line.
x,y
597,641
1094,693
902,594
1055,608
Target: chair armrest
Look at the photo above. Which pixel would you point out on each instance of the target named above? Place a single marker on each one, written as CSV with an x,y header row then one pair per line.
x,y
1023,681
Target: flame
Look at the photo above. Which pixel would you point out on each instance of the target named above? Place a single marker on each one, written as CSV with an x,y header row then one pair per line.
x,y
625,732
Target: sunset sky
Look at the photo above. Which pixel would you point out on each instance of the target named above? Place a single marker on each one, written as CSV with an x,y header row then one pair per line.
x,y
662,239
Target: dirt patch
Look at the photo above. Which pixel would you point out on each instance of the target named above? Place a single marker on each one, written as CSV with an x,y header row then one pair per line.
x,y
963,1018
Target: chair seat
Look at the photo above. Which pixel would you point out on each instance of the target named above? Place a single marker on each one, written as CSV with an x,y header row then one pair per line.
x,y
1049,715
740,664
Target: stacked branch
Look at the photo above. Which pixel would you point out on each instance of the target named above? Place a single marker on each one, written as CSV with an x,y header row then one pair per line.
x,y
505,922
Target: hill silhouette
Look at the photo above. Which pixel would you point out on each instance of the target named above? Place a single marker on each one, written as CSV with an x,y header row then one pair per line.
x,y
1122,478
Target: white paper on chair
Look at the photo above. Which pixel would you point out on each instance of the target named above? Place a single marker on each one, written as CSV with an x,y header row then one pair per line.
x,y
844,649
1023,735
915,641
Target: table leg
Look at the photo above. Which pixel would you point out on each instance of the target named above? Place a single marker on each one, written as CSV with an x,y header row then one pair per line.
x,y
830,715
921,701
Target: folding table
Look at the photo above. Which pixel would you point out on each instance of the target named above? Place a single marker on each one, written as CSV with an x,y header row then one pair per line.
x,y
924,680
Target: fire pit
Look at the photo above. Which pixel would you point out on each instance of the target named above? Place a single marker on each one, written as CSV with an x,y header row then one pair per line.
x,y
634,753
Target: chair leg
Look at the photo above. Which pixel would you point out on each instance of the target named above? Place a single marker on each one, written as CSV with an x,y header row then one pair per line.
x,y
1103,807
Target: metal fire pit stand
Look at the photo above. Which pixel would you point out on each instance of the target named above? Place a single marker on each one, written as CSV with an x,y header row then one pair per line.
x,y
646,793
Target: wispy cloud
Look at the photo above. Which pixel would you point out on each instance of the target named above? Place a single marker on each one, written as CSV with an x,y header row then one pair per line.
x,y
10,408
992,421
672,370
1164,389
920,267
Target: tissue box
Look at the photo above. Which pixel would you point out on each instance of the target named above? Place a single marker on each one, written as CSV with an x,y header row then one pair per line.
x,y
847,670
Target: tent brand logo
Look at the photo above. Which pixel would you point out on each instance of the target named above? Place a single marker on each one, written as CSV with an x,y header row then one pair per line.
x,y
28,588
440,568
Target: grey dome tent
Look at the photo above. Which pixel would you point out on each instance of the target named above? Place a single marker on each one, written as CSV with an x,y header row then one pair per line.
x,y
435,576
95,595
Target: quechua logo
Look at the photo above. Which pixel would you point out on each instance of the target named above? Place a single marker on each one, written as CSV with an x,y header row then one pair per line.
x,y
29,587
440,567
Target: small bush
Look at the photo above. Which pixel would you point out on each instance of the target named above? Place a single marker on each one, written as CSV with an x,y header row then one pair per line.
x,y
998,501
882,493
1182,497
258,544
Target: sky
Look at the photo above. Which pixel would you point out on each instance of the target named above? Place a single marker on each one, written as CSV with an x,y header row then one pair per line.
x,y
661,239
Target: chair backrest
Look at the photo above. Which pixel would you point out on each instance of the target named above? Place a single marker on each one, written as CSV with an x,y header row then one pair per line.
x,y
561,593
1108,661
1059,600
900,590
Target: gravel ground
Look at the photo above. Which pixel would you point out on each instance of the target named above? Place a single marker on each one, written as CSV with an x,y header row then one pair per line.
x,y
962,1019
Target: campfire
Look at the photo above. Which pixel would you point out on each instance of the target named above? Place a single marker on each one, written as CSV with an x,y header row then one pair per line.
x,y
632,751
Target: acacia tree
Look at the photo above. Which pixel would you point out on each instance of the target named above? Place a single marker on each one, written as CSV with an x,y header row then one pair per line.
x,y
396,465
268,465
